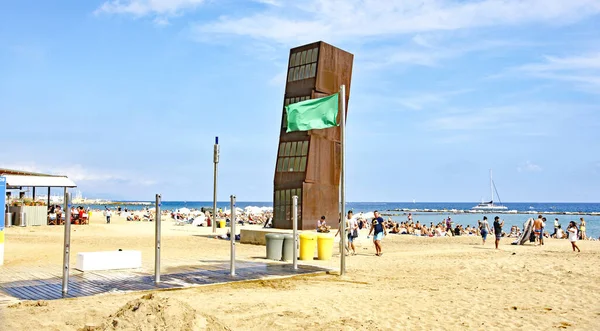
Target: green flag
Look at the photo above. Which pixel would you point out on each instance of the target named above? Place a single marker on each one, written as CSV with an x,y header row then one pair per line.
x,y
312,114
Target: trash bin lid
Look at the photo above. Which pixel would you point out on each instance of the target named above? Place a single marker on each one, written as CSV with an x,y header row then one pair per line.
x,y
275,236
308,235
288,236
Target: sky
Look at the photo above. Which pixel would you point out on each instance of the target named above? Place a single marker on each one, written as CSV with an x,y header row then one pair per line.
x,y
126,96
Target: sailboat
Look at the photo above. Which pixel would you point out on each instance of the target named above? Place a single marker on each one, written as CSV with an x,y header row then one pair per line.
x,y
490,206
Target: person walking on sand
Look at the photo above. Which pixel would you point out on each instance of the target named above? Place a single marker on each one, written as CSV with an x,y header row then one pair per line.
x,y
484,228
582,229
351,232
573,235
108,213
498,229
556,224
380,231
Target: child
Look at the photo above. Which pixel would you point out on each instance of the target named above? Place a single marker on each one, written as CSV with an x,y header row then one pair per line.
x,y
573,234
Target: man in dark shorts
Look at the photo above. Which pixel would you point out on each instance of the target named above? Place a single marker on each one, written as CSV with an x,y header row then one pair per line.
x,y
498,229
380,231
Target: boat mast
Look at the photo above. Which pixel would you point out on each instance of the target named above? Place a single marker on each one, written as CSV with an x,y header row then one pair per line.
x,y
492,186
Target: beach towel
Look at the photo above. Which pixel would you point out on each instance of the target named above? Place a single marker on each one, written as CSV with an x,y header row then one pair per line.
x,y
527,232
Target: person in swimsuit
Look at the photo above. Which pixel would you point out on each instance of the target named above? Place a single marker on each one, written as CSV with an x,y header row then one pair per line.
x,y
582,229
538,224
573,235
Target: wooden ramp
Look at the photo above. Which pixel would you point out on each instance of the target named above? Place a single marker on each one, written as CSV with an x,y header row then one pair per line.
x,y
39,283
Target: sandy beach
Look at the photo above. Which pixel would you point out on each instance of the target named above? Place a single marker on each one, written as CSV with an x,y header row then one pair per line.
x,y
418,284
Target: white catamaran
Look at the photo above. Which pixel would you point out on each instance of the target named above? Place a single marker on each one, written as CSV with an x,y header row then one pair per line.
x,y
490,206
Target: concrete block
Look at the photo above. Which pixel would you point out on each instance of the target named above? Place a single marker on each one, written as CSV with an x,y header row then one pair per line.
x,y
109,260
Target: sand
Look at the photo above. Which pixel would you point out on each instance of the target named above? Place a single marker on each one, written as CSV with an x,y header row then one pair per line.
x,y
418,284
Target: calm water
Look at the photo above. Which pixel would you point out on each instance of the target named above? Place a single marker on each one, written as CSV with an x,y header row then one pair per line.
x,y
592,227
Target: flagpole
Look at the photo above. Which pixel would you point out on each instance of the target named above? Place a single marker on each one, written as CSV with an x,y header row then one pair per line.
x,y
343,181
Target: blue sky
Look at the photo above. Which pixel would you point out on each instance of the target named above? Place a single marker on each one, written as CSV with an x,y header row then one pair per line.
x,y
127,96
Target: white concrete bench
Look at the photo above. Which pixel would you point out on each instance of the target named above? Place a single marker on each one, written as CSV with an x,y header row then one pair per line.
x,y
108,260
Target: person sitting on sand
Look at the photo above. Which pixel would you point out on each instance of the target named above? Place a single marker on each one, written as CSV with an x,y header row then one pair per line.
x,y
438,231
560,234
322,225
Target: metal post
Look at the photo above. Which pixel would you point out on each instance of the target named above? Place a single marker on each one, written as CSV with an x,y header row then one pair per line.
x,y
295,231
343,181
216,165
232,234
157,240
48,197
67,245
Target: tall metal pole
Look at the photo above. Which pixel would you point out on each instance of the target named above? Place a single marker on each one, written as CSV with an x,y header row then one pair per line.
x,y
295,231
232,234
216,164
491,185
157,220
343,181
67,245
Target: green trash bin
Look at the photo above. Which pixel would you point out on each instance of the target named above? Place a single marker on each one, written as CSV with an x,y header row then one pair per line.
x,y
288,247
274,243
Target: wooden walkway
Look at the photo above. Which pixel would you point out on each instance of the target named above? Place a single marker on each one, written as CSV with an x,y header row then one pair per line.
x,y
45,283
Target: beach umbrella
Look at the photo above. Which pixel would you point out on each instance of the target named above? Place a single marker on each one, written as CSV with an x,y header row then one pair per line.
x,y
183,210
368,215
253,210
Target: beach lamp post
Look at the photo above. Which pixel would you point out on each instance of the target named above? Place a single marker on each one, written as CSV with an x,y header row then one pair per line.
x,y
216,169
295,232
343,181
157,220
232,234
67,245
2,215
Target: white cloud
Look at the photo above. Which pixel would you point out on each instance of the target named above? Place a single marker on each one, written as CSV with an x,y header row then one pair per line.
x,y
78,172
513,119
270,2
474,119
278,79
341,20
554,63
424,100
161,21
529,167
160,9
582,69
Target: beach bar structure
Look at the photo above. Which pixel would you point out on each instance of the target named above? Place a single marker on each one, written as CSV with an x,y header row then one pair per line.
x,y
309,162
17,179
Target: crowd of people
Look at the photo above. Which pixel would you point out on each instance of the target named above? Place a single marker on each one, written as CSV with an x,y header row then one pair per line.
x,y
380,227
79,215
203,217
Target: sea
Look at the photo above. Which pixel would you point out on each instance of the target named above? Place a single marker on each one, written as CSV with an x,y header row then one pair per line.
x,y
436,211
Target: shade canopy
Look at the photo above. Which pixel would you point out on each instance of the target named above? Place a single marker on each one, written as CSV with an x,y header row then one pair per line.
x,y
16,181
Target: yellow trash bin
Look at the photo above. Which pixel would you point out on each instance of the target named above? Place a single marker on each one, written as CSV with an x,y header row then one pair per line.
x,y
307,245
325,246
222,224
